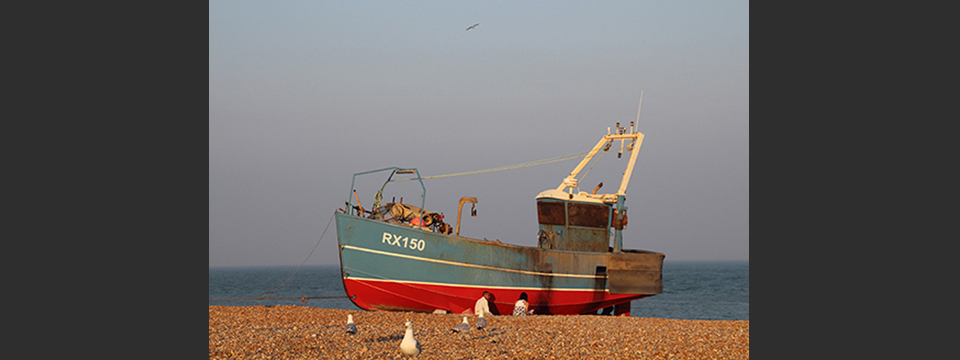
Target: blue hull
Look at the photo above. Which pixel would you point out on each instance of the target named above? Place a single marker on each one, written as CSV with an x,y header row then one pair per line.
x,y
390,266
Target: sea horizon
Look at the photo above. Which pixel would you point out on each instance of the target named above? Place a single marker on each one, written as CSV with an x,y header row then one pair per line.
x,y
692,289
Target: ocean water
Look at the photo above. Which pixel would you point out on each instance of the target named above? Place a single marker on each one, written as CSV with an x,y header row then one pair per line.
x,y
696,290
693,290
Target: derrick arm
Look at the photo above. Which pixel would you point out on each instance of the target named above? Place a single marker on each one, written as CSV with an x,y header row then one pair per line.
x,y
583,163
633,160
570,180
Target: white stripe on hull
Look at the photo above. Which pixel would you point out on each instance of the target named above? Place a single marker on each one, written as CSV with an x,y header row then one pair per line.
x,y
357,278
455,263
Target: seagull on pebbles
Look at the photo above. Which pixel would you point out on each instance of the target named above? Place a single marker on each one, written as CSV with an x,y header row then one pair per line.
x,y
351,327
481,321
463,326
409,346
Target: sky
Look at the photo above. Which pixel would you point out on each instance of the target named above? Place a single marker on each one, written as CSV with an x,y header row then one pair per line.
x,y
304,94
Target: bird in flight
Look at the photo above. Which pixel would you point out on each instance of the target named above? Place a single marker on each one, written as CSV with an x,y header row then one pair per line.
x,y
473,26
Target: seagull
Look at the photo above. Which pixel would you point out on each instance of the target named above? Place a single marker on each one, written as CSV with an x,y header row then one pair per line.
x,y
462,327
409,346
351,327
481,321
473,26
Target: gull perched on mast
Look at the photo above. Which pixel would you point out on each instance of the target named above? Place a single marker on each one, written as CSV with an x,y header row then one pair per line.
x,y
473,26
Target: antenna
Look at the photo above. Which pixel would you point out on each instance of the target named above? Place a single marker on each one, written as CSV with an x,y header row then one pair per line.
x,y
638,110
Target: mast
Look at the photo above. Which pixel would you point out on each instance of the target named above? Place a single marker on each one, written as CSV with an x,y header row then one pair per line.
x,y
636,140
571,180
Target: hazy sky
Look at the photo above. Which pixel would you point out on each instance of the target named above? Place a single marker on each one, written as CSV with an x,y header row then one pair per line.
x,y
303,94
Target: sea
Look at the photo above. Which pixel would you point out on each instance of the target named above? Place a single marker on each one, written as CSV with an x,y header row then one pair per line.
x,y
692,290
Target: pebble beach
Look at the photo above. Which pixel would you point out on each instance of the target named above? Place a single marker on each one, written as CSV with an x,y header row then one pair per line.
x,y
299,332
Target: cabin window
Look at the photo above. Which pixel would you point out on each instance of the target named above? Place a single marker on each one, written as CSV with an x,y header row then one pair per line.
x,y
588,215
550,213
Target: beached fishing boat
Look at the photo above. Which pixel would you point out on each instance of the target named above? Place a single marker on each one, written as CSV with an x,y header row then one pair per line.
x,y
400,257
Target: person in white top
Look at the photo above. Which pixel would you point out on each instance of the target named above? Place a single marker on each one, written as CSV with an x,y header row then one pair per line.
x,y
483,305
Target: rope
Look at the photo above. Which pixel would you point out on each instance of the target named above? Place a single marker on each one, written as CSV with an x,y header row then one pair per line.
x,y
591,167
510,167
304,260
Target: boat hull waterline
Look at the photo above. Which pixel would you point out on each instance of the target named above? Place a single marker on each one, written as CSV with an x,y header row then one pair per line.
x,y
401,268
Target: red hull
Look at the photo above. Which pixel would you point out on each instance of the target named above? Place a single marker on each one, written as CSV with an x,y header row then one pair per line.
x,y
407,296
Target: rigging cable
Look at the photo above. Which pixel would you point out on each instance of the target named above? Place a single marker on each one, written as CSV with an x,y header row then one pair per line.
x,y
304,260
605,149
509,167
263,297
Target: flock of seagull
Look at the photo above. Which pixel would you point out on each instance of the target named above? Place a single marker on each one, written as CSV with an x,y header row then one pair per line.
x,y
409,346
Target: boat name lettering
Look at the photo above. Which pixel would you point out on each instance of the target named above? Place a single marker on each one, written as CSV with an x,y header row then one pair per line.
x,y
403,241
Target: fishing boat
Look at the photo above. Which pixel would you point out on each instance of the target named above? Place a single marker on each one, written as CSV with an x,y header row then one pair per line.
x,y
400,257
